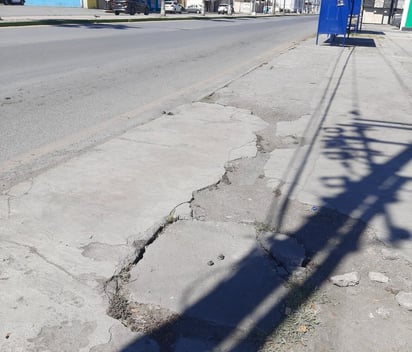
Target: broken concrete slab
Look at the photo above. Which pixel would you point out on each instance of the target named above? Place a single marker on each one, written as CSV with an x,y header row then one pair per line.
x,y
244,204
78,222
239,291
285,249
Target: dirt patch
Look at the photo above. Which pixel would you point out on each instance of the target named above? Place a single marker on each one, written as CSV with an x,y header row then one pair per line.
x,y
301,319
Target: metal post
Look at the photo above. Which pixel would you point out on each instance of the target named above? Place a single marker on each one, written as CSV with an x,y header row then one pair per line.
x,y
162,8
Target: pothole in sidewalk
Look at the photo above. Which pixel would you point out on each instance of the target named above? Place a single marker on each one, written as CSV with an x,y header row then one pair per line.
x,y
241,196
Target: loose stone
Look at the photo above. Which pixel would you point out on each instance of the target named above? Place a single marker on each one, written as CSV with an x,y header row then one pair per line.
x,y
378,277
388,254
345,280
383,312
404,299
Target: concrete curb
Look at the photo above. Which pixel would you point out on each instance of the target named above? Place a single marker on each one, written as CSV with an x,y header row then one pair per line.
x,y
14,21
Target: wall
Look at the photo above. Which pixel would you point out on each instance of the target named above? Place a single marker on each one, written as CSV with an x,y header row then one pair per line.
x,y
88,4
406,23
61,3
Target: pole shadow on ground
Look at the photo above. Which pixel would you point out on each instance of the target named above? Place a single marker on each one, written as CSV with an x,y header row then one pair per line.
x,y
326,234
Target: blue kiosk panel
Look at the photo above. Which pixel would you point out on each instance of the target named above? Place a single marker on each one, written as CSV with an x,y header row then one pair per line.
x,y
336,15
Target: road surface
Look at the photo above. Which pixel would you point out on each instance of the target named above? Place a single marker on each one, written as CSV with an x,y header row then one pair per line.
x,y
68,87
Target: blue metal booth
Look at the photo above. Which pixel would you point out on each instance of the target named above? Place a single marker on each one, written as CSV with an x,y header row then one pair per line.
x,y
338,17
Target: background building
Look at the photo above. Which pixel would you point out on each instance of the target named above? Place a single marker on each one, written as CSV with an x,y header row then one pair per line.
x,y
382,11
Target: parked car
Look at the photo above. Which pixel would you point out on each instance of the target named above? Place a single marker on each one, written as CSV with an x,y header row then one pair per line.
x,y
223,9
173,6
13,2
194,9
130,6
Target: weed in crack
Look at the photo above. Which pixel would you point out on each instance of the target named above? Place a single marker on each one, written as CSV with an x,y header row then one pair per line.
x,y
262,227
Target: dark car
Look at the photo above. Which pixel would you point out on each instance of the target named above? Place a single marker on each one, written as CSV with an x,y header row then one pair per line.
x,y
13,2
130,6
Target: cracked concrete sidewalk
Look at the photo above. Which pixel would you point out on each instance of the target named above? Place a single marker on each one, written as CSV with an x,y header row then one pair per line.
x,y
309,153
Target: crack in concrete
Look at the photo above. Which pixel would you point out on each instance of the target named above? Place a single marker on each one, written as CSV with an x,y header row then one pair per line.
x,y
8,207
118,303
268,254
10,196
27,191
34,250
143,142
110,334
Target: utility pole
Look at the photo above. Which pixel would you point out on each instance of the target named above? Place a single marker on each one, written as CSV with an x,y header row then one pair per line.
x,y
273,7
203,7
162,8
229,9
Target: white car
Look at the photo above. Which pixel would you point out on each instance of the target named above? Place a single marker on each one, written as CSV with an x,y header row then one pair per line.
x,y
173,6
194,8
223,9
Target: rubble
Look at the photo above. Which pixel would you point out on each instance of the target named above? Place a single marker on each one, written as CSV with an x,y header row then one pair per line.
x,y
404,299
345,280
378,277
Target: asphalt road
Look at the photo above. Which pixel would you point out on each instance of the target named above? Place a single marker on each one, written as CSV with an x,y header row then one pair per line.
x,y
65,88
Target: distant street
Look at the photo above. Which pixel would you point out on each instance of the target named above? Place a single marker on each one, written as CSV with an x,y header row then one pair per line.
x,y
64,88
